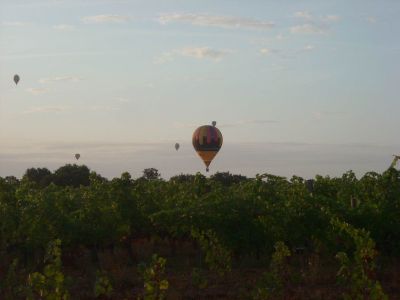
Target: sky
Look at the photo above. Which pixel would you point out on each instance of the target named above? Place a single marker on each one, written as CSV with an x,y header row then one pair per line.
x,y
296,87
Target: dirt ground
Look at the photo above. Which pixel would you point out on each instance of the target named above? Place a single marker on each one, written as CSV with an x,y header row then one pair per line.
x,y
310,277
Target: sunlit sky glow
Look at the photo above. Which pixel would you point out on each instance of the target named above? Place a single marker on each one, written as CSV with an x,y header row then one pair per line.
x,y
297,87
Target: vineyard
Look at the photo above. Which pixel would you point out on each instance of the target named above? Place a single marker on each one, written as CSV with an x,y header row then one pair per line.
x,y
73,234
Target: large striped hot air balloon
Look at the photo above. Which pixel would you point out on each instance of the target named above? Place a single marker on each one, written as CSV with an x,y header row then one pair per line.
x,y
207,140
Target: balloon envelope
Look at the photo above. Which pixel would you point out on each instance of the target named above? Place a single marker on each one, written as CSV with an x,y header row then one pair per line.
x,y
16,78
177,146
207,140
77,155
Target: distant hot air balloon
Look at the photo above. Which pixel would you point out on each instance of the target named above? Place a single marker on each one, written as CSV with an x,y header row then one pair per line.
x,y
207,140
77,155
16,78
177,146
214,123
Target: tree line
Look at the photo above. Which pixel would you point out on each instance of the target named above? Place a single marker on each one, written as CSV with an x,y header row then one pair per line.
x,y
232,222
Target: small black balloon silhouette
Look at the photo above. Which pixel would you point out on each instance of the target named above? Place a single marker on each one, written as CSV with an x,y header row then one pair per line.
x,y
16,78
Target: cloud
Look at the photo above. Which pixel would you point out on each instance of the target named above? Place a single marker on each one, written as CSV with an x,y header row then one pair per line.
x,y
101,108
106,19
64,27
44,55
58,109
265,51
60,79
268,51
303,15
215,21
37,91
287,53
313,25
248,122
45,109
194,52
309,28
308,17
203,52
280,37
233,124
319,115
93,145
308,48
331,18
14,24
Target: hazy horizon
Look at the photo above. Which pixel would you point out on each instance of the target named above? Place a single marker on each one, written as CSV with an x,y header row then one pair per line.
x,y
284,159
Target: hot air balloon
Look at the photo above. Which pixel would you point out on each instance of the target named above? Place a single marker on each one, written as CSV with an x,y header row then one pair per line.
x,y
77,155
177,146
214,123
207,140
16,78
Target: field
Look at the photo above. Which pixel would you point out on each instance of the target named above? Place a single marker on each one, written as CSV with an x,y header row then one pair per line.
x,y
72,234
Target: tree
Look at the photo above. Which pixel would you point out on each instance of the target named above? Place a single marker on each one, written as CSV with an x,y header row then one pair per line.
x,y
72,175
227,179
189,178
151,174
11,180
97,177
41,176
310,185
